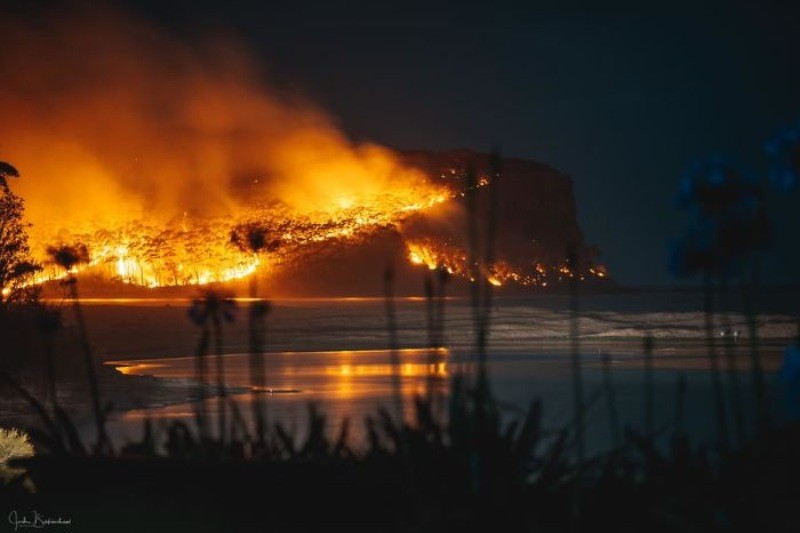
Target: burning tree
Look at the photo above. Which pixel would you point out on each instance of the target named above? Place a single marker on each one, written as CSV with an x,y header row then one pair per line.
x,y
16,267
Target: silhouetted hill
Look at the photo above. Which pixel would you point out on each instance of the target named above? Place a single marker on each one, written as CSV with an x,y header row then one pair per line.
x,y
536,223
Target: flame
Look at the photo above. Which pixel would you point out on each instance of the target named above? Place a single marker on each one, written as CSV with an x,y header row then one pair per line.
x,y
151,151
425,253
199,252
436,255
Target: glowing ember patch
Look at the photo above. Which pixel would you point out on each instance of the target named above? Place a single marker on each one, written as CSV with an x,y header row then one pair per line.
x,y
436,255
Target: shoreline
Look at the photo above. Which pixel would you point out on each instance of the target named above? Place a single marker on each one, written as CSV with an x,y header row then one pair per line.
x,y
121,393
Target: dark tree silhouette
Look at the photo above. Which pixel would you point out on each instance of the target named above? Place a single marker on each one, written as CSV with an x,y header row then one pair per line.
x,y
68,256
16,266
7,171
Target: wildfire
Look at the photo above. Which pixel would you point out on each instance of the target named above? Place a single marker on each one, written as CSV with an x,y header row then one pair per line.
x,y
190,251
153,256
434,256
426,253
154,158
199,251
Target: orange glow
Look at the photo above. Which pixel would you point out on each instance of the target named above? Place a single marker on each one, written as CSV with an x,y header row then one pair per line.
x,y
352,380
347,370
199,251
151,152
435,255
137,369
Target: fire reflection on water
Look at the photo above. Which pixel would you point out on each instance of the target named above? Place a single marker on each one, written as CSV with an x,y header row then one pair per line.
x,y
345,374
137,369
353,380
346,384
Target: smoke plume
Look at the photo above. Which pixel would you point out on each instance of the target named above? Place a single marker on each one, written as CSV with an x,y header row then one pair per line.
x,y
110,118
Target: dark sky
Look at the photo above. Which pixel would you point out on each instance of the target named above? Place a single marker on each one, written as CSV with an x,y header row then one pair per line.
x,y
620,96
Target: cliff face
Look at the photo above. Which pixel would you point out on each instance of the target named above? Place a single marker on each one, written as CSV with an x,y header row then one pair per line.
x,y
536,215
536,226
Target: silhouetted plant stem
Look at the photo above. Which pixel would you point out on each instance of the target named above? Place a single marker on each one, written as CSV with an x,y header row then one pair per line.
x,y
577,378
797,335
730,357
680,399
216,323
200,377
649,389
208,312
443,277
441,351
394,350
91,376
256,328
613,416
577,383
708,312
434,312
51,371
491,235
474,269
430,315
48,323
239,435
394,357
481,265
253,239
762,407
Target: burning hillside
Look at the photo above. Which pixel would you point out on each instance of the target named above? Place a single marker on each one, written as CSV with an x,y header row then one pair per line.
x,y
198,251
536,230
159,155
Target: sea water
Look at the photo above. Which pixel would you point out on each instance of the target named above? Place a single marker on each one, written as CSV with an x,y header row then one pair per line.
x,y
333,353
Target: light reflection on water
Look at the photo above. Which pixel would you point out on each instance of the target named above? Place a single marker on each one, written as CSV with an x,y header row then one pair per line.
x,y
345,384
529,356
185,300
312,373
352,384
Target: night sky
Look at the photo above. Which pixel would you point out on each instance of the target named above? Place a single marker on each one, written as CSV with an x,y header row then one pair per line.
x,y
621,97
